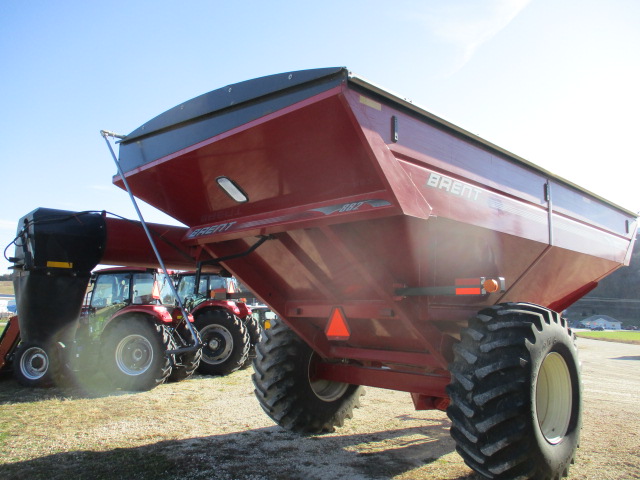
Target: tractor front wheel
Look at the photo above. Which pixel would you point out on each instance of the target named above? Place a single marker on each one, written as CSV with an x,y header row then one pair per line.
x,y
516,393
225,342
287,390
185,364
35,365
133,353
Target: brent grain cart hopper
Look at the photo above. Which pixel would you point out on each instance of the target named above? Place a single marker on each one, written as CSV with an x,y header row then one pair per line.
x,y
398,250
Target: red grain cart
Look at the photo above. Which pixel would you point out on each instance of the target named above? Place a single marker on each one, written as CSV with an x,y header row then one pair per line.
x,y
403,253
398,250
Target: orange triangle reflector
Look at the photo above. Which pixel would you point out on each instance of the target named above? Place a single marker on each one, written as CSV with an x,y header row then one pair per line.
x,y
337,328
155,293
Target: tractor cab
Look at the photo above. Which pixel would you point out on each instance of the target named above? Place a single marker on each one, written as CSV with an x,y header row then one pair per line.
x,y
227,328
211,286
126,286
114,292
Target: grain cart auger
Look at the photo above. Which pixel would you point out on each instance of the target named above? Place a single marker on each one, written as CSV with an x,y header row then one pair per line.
x,y
55,252
407,253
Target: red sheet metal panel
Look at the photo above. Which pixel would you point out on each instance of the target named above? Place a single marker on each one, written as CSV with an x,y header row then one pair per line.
x,y
9,340
127,244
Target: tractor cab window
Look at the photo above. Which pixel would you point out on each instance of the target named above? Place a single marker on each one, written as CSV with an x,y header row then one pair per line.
x,y
186,287
202,288
220,286
110,290
143,289
217,283
208,284
151,289
164,289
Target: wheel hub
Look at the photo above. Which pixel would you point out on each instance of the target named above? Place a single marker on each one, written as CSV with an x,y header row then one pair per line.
x,y
137,354
325,390
134,355
219,344
34,363
554,398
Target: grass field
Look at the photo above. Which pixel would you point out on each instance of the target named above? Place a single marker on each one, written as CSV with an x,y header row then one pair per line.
x,y
98,429
622,336
213,428
6,288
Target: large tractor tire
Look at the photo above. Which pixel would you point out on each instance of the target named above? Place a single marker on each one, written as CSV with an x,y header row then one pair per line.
x,y
133,353
255,330
185,364
225,342
516,393
36,365
287,391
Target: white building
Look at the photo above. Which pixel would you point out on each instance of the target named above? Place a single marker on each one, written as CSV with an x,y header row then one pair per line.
x,y
7,307
604,321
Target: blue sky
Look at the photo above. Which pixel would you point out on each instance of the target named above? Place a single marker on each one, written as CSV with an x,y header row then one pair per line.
x,y
555,82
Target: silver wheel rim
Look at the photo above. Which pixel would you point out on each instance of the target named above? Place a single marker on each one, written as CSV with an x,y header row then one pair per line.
x,y
34,363
325,390
134,354
554,398
218,344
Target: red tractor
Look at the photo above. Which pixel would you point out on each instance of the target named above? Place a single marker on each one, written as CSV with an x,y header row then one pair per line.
x,y
227,328
129,330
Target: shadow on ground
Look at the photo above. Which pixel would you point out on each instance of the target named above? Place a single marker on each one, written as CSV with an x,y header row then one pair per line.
x,y
68,388
259,454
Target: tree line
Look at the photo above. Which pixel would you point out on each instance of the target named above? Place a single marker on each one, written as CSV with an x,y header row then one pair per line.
x,y
624,282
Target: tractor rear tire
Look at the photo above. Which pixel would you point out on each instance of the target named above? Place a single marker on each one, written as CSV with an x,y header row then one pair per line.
x,y
36,365
516,394
185,364
133,353
286,391
255,329
225,340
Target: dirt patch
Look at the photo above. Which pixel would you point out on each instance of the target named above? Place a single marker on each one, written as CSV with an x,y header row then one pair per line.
x,y
213,428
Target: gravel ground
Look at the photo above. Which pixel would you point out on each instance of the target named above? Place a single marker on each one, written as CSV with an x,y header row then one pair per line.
x,y
213,428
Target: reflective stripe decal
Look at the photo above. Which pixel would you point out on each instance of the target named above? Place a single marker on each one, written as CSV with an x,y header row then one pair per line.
x,y
51,264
